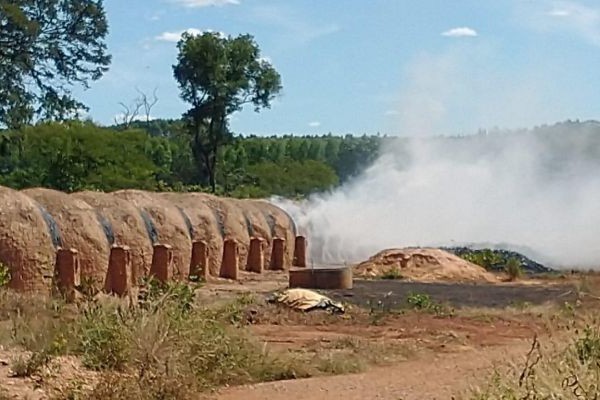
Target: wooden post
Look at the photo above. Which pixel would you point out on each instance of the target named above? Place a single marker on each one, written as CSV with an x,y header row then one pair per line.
x,y
300,252
199,263
68,272
229,264
162,263
278,254
256,256
118,278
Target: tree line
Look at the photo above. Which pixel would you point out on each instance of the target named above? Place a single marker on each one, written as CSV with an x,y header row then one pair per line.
x,y
157,155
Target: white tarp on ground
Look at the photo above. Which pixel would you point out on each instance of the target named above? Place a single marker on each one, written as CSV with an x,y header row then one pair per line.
x,y
306,300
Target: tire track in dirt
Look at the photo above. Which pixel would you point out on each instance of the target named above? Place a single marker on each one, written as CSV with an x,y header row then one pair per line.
x,y
438,376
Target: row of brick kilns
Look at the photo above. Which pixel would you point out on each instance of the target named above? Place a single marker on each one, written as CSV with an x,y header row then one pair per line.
x,y
111,241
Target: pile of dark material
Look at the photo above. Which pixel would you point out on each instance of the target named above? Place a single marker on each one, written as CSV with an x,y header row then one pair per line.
x,y
496,259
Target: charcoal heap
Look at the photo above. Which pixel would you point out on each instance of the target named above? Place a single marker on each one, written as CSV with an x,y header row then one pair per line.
x,y
496,259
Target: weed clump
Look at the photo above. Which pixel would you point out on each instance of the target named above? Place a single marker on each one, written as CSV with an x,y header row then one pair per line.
x,y
4,275
424,302
513,269
392,274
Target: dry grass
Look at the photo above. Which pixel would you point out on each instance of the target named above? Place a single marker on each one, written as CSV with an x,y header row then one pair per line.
x,y
168,347
565,365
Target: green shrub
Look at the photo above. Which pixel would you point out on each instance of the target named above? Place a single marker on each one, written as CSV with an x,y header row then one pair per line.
x,y
4,275
587,347
392,274
514,269
103,338
424,302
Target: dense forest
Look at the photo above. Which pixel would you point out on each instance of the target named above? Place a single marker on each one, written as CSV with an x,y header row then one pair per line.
x,y
156,155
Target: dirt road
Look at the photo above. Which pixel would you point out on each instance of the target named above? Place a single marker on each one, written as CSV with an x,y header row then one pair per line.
x,y
433,377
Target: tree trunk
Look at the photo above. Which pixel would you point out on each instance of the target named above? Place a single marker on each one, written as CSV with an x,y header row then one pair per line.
x,y
213,183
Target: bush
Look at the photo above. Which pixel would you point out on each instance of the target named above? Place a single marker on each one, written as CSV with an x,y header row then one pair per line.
x,y
4,275
514,269
103,338
392,274
587,347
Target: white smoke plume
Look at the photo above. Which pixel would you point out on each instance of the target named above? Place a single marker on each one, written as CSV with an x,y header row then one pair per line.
x,y
500,191
537,193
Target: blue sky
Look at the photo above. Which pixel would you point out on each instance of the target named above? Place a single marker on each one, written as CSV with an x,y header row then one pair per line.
x,y
367,66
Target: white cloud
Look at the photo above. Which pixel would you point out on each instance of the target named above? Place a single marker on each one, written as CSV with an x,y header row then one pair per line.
x,y
314,124
460,32
205,3
391,112
175,36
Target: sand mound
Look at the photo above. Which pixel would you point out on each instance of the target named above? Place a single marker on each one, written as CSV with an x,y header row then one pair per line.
x,y
423,264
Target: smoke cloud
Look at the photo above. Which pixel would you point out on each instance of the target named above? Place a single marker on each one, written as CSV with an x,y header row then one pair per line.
x,y
532,191
509,191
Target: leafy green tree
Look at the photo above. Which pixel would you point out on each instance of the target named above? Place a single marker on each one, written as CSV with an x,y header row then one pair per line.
x,y
76,156
47,46
218,75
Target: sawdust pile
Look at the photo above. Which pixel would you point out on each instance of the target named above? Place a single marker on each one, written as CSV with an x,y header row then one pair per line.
x,y
424,265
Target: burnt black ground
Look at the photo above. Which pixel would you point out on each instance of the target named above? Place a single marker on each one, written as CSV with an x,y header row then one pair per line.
x,y
393,294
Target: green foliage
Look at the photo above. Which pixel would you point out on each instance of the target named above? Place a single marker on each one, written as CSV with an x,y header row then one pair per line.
x,y
424,302
103,338
77,156
392,274
587,346
81,156
485,258
45,47
217,76
4,275
514,269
